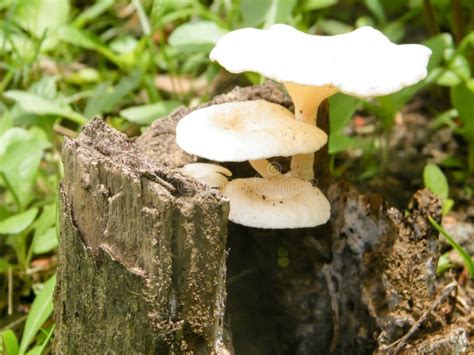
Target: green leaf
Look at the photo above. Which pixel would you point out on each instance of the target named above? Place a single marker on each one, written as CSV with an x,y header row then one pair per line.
x,y
46,219
310,5
376,8
124,45
38,350
395,31
92,12
333,27
20,155
19,222
43,16
35,351
279,12
4,265
341,109
339,142
45,87
196,36
435,180
253,12
438,44
447,206
443,263
10,343
6,123
35,104
41,309
460,65
464,255
146,114
45,242
106,98
462,98
89,41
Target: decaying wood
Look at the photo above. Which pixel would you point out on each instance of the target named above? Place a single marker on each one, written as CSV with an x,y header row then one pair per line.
x,y
142,260
142,253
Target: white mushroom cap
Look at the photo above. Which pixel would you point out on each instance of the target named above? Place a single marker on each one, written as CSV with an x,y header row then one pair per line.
x,y
276,203
246,130
212,175
361,63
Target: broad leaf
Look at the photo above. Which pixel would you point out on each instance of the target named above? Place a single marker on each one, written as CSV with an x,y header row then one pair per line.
x,y
310,5
462,98
43,17
45,237
196,36
435,180
106,98
19,222
254,12
339,142
9,341
146,114
45,241
35,104
20,155
341,109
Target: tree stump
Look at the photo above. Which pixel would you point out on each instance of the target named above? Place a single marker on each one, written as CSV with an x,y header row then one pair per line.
x,y
143,264
142,253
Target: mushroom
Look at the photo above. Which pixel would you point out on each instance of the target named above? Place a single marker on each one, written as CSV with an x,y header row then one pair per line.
x,y
212,175
247,130
280,202
362,63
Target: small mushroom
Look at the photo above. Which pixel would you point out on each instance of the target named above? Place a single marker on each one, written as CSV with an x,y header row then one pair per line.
x,y
212,175
361,63
280,202
247,130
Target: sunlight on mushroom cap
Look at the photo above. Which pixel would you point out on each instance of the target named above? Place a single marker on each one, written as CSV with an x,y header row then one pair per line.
x,y
246,130
276,203
361,63
212,175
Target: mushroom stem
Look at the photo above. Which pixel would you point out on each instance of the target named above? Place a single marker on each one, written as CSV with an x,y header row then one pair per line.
x,y
264,168
306,100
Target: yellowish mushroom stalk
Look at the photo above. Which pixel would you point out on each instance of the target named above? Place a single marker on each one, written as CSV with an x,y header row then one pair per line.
x,y
266,169
306,100
212,175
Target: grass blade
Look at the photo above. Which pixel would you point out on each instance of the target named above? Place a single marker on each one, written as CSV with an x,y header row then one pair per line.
x,y
41,309
464,255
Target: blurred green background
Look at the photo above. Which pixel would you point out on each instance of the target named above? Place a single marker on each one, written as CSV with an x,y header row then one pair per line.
x,y
63,62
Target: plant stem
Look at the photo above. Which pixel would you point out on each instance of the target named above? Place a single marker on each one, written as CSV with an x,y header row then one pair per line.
x,y
430,18
458,21
470,158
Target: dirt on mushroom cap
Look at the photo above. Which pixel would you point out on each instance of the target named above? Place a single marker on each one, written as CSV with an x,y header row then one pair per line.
x,y
246,130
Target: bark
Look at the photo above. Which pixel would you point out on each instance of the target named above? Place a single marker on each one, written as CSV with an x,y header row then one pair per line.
x,y
142,253
142,261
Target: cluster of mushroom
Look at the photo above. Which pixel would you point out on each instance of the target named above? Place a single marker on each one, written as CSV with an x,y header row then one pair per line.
x,y
362,63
